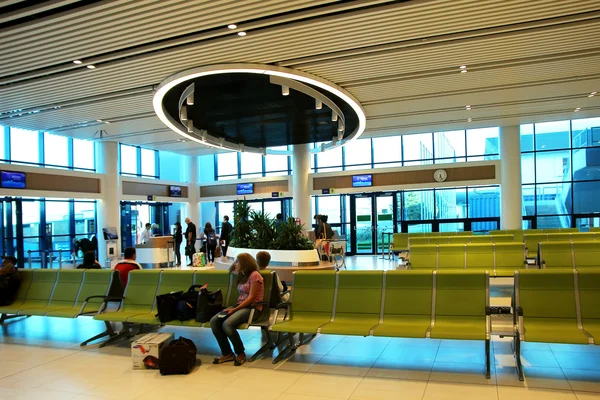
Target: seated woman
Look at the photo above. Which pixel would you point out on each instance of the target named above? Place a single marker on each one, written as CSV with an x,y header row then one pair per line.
x,y
10,280
251,288
89,261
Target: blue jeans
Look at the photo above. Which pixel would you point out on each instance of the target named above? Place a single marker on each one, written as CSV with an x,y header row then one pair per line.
x,y
225,330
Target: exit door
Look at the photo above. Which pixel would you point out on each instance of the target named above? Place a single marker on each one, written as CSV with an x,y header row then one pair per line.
x,y
372,217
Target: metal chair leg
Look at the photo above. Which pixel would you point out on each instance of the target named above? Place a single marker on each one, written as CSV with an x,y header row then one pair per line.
x,y
124,333
267,346
288,350
108,332
517,342
4,317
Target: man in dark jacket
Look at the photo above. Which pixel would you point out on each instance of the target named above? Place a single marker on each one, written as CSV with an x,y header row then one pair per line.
x,y
10,280
225,236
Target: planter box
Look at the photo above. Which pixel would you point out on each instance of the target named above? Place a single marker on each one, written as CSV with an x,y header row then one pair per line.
x,y
281,258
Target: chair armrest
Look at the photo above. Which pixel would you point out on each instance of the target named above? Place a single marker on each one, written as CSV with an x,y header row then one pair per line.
x,y
285,292
285,304
106,298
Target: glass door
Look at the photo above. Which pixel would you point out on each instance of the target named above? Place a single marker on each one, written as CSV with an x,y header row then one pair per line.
x,y
384,220
363,225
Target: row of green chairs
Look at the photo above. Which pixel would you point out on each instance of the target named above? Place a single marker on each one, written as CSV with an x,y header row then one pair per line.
x,y
557,306
459,239
501,259
408,304
400,240
65,293
574,255
532,240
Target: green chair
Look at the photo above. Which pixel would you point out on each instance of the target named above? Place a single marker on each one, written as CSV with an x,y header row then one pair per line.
x,y
531,242
462,239
95,288
480,257
516,233
407,304
418,241
26,279
583,236
424,257
451,256
508,257
507,238
439,240
258,317
215,279
559,230
358,303
561,236
64,295
170,281
462,308
399,242
40,291
586,254
556,254
310,306
589,300
481,239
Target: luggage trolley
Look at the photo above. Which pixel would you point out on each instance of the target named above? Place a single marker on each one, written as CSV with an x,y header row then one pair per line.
x,y
335,251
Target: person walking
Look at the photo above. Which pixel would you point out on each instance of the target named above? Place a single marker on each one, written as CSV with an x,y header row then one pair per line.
x,y
190,238
178,238
225,237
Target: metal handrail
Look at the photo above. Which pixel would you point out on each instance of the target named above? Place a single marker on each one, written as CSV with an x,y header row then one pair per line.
x,y
45,257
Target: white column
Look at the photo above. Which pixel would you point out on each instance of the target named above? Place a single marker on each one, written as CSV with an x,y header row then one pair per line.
x,y
108,210
511,197
193,208
300,184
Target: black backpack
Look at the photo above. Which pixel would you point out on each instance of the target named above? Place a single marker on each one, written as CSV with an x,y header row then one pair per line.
x,y
209,304
212,238
166,305
178,357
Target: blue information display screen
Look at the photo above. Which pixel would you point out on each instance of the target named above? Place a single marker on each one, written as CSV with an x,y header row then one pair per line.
x,y
362,180
245,188
12,180
175,191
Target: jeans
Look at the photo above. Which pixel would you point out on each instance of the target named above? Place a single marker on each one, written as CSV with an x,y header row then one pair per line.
x,y
225,330
178,253
210,252
224,248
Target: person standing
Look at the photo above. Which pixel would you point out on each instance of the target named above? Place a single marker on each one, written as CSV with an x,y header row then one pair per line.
x,y
211,243
89,261
178,237
146,234
226,230
278,222
190,238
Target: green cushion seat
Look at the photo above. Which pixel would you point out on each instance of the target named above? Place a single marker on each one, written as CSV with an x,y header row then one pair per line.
x,y
508,257
586,254
460,305
407,304
358,303
312,302
424,256
556,254
451,256
589,300
553,330
64,294
480,256
40,291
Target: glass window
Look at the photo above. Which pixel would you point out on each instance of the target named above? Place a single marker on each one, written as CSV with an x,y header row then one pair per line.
x,y
451,203
387,150
450,146
276,164
585,132
24,145
330,160
418,205
84,154
56,150
586,164
484,202
553,198
330,206
149,163
85,217
358,153
129,160
526,137
31,218
225,209
2,139
552,166
552,135
417,147
527,168
251,164
272,208
57,217
528,200
585,197
227,164
481,142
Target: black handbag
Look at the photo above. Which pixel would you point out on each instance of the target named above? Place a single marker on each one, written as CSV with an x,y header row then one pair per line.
x,y
188,301
178,357
209,304
166,305
189,250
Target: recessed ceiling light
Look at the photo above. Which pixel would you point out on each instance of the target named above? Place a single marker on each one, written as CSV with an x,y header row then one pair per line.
x,y
468,107
232,26
91,66
242,33
594,93
99,120
469,119
463,71
590,95
77,61
463,67
285,90
577,109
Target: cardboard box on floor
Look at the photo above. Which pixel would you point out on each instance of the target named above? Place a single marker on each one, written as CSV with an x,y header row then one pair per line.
x,y
145,351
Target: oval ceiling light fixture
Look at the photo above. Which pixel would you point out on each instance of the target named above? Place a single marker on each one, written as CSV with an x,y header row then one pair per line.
x,y
242,33
170,91
77,62
232,26
91,66
285,91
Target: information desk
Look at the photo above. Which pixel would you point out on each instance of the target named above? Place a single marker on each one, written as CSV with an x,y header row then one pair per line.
x,y
156,252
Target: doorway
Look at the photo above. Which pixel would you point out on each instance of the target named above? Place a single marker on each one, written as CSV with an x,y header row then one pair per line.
x,y
372,216
135,215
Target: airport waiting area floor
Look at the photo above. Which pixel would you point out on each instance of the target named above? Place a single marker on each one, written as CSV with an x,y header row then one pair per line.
x,y
40,358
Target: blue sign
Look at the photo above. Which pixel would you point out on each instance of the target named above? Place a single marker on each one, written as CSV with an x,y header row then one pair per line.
x,y
362,180
274,194
245,188
12,180
325,191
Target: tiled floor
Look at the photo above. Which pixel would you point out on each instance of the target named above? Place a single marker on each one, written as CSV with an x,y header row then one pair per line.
x,y
40,358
